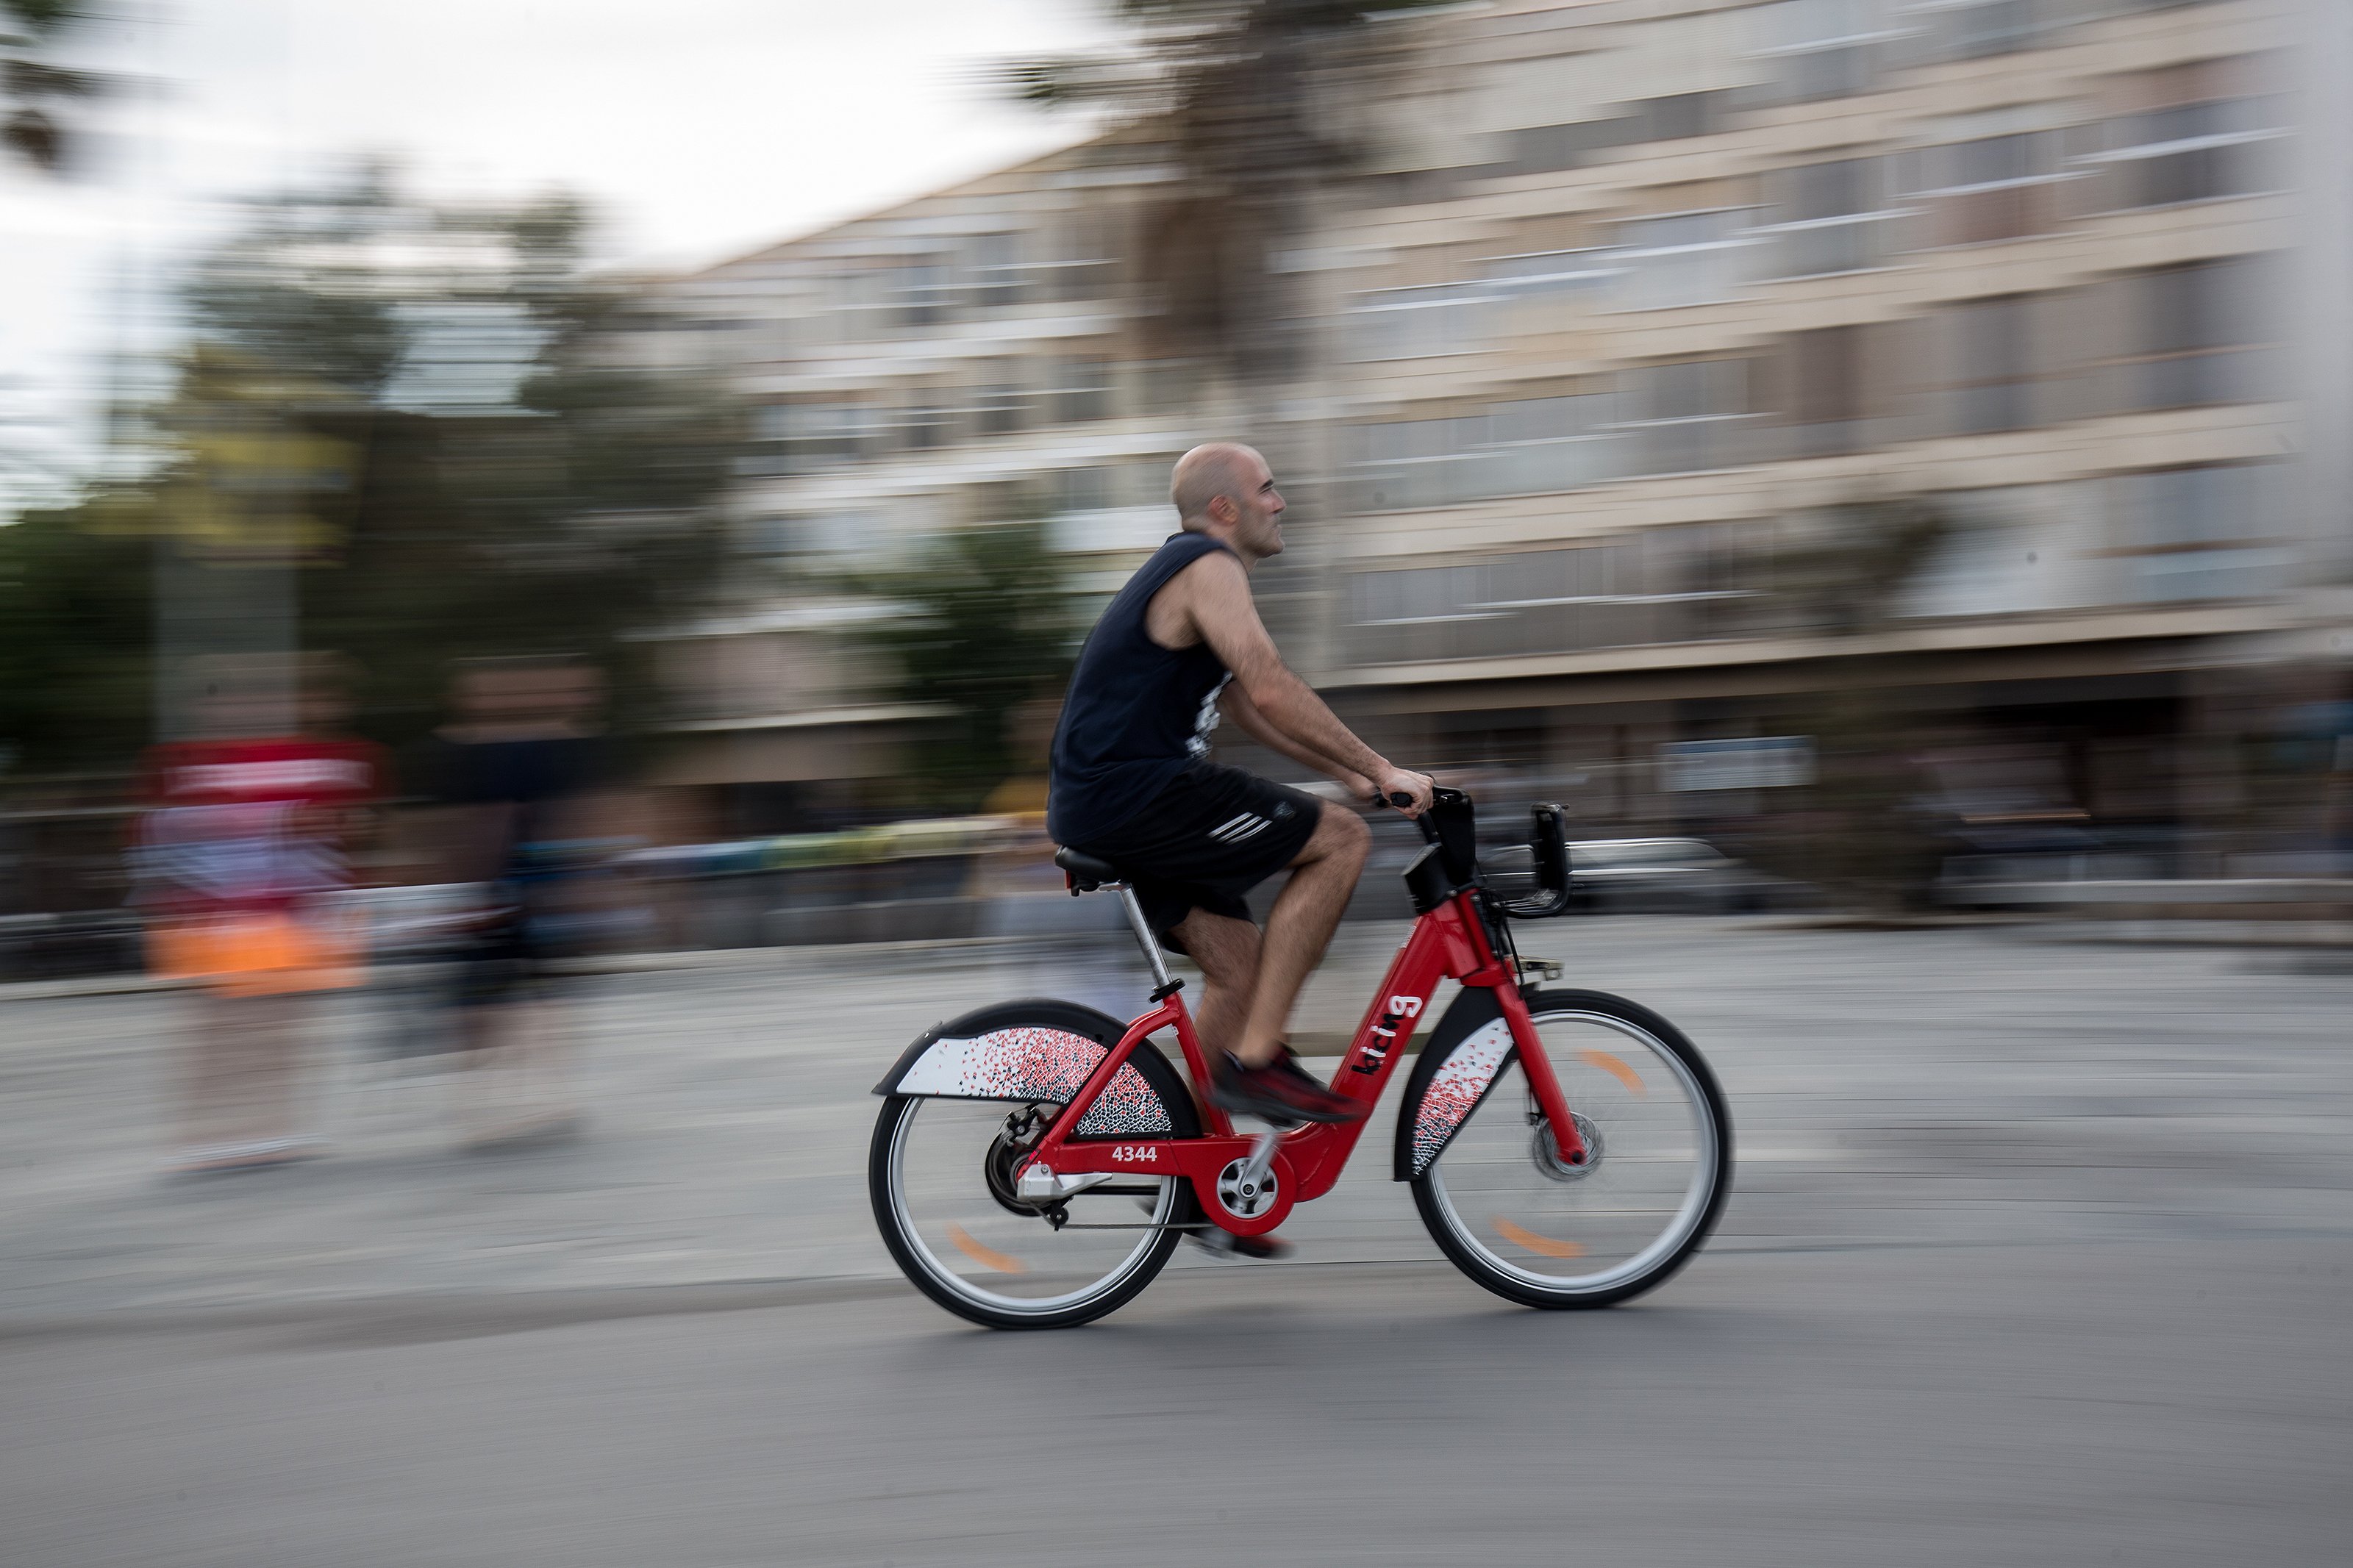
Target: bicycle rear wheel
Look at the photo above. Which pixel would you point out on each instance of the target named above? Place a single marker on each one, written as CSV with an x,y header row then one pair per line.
x,y
1502,1202
940,1175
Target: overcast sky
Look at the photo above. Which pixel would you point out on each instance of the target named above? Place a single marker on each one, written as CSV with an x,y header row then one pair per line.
x,y
700,127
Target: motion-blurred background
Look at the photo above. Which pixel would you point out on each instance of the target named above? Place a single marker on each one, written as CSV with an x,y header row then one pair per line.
x,y
1889,442
540,545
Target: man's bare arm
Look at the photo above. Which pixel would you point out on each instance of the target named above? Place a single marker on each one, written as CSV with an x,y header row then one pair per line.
x,y
1237,706
1217,601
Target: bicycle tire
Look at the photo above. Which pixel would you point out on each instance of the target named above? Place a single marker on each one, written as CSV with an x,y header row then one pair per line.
x,y
926,1269
1704,1204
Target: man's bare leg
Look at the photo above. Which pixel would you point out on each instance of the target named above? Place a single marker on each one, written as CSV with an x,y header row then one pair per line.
x,y
1227,950
1300,927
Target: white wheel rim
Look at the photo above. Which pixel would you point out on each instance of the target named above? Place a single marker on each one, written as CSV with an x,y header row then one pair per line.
x,y
1706,1135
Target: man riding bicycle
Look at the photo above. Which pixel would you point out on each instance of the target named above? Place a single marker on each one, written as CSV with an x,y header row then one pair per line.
x,y
1180,646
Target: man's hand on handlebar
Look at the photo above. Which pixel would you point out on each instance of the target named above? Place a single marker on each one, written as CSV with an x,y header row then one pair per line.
x,y
1408,792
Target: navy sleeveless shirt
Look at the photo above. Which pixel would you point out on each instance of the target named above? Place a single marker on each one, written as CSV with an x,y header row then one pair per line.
x,y
1136,713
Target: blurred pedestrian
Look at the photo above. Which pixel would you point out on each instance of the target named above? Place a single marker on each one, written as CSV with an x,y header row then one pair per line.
x,y
238,864
516,778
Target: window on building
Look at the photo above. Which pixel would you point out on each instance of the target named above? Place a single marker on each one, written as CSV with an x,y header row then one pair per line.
x,y
997,278
1083,270
1684,258
1549,277
1001,408
1975,29
1830,397
1611,593
1686,415
1083,489
1547,149
862,302
925,424
1991,368
1081,389
2193,133
1412,616
1834,217
1537,446
1678,115
2213,532
1814,50
1721,572
812,436
1164,386
1991,187
1409,463
2204,333
923,292
1418,322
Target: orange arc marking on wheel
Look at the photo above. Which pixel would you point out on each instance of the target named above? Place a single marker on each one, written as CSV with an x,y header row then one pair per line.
x,y
986,1257
1542,1245
1616,1067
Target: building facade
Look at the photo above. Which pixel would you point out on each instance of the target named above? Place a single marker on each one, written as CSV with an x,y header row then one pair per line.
x,y
1662,283
1634,305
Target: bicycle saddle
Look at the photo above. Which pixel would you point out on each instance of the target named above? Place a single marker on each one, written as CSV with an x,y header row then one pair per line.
x,y
1086,873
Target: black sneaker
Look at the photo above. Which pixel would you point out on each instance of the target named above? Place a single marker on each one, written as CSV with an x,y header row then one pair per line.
x,y
1219,1243
1278,1092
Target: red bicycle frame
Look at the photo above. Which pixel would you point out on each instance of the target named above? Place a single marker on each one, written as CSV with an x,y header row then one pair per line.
x,y
1449,942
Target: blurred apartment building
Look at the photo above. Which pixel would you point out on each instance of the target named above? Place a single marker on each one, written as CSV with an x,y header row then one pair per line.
x,y
1630,296
967,357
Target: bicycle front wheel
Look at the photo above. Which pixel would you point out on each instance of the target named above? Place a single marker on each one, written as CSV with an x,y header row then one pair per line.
x,y
1512,1213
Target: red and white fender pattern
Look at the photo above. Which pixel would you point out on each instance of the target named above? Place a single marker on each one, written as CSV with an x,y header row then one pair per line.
x,y
1049,1064
1456,1089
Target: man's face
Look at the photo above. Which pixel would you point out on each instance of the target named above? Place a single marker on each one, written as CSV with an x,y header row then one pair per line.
x,y
1258,527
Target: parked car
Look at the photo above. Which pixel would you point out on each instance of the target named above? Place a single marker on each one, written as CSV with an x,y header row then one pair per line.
x,y
1667,875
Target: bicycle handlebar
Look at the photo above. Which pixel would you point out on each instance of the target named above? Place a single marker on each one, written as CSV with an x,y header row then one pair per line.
x,y
1427,821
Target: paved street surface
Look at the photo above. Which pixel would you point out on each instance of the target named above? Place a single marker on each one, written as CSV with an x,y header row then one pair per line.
x,y
2037,1254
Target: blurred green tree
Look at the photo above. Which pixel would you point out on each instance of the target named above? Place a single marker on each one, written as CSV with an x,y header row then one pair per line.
x,y
432,415
76,612
1863,832
982,627
33,82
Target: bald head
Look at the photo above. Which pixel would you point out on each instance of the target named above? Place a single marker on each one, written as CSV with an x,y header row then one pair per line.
x,y
1205,473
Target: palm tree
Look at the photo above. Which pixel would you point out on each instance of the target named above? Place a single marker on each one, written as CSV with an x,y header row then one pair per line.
x,y
1234,87
1232,95
32,82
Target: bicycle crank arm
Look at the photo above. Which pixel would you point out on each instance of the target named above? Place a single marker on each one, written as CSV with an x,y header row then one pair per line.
x,y
1262,1160
1037,1184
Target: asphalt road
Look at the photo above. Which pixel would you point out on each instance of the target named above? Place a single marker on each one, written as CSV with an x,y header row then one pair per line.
x,y
2137,1402
2037,1254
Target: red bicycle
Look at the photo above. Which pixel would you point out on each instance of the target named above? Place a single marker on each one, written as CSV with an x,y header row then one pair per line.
x,y
1566,1148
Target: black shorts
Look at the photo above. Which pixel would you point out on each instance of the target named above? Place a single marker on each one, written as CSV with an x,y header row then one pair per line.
x,y
1210,837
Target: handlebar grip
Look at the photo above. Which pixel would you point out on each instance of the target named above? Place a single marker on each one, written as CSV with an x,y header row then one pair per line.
x,y
1399,799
